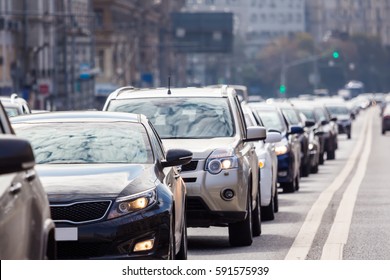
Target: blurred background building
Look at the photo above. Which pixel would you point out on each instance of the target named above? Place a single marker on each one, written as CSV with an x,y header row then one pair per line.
x,y
69,54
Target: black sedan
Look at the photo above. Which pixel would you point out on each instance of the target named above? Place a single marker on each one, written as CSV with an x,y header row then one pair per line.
x,y
113,191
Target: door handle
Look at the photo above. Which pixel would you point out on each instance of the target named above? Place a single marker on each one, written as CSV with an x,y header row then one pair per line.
x,y
15,188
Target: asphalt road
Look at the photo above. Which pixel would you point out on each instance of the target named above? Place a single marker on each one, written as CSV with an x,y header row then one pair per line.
x,y
343,212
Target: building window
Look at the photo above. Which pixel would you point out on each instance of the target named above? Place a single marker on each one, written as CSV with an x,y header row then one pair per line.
x,y
99,18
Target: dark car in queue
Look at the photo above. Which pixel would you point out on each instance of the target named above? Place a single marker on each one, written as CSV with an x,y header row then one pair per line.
x,y
288,150
386,119
292,117
114,193
343,115
315,131
26,227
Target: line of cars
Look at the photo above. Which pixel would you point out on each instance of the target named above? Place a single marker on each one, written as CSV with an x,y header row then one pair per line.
x,y
127,182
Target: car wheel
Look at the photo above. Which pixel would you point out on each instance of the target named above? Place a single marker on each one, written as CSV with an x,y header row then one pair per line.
x,y
297,183
314,169
288,187
321,159
182,254
257,217
240,233
172,243
267,212
383,132
349,135
330,155
276,201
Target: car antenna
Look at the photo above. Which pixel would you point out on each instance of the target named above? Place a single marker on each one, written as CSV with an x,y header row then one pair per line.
x,y
169,85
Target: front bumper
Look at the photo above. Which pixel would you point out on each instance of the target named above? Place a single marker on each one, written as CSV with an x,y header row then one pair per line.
x,y
205,204
116,238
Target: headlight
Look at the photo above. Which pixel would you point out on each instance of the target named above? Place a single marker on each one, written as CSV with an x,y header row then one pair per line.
x,y
281,150
132,203
311,146
221,159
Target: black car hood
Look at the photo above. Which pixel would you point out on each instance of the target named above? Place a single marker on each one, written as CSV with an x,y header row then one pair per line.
x,y
68,182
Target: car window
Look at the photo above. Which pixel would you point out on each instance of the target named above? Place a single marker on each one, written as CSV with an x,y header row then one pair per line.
x,y
309,114
271,120
158,146
182,117
87,143
338,110
291,116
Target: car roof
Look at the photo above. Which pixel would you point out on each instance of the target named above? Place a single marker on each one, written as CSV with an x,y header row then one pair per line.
x,y
79,116
13,99
131,92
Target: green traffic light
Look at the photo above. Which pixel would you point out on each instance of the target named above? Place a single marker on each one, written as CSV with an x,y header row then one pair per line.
x,y
336,54
282,88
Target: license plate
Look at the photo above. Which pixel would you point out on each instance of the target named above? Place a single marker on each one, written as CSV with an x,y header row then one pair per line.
x,y
66,234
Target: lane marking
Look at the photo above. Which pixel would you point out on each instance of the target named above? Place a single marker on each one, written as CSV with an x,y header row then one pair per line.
x,y
338,235
304,240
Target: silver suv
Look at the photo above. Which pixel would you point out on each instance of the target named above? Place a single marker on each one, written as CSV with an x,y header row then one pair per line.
x,y
223,177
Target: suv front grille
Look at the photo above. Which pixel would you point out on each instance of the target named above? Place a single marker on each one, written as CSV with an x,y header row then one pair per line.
x,y
190,166
80,212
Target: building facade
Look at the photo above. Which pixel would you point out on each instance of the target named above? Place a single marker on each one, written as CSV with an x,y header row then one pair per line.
x,y
370,17
257,22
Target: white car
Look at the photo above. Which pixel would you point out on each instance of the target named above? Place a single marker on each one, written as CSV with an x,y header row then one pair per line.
x,y
268,164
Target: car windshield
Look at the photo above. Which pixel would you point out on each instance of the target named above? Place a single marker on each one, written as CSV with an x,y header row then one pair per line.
x,y
182,117
72,143
271,120
338,110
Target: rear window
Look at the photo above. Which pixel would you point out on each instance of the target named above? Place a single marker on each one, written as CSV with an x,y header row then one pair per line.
x,y
182,117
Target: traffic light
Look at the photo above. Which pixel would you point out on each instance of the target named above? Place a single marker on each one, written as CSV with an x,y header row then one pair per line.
x,y
336,54
282,89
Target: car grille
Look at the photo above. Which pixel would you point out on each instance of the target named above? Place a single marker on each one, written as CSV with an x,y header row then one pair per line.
x,y
80,250
80,212
190,166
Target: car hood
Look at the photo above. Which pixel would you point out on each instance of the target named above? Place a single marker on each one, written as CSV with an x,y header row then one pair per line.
x,y
200,148
77,181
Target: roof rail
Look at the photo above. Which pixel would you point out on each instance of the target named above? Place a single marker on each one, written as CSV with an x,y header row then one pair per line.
x,y
14,96
120,90
224,89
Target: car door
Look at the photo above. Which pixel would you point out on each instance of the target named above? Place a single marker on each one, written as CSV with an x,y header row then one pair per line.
x,y
173,180
14,207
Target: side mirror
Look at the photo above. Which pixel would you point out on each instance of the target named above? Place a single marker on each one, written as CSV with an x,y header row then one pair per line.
x,y
177,157
309,123
273,137
324,122
296,129
256,133
319,133
334,119
15,154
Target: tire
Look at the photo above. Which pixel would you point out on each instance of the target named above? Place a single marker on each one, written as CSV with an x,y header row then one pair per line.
x,y
276,201
240,233
182,254
383,132
349,135
288,187
321,159
172,243
330,155
297,183
314,169
257,215
267,212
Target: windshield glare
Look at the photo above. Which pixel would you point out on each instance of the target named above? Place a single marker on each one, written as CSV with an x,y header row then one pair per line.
x,y
57,143
182,117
